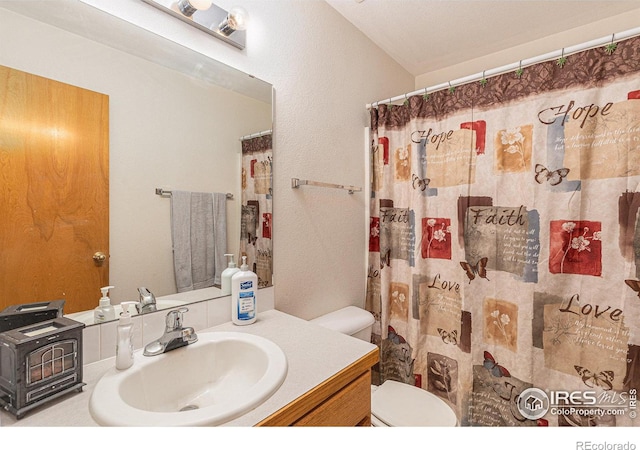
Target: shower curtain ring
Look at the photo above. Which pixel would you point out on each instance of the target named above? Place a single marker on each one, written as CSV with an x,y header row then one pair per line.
x,y
519,71
610,48
451,88
483,81
425,96
562,60
406,100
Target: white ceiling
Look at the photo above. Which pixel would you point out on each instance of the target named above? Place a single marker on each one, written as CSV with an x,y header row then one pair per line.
x,y
427,35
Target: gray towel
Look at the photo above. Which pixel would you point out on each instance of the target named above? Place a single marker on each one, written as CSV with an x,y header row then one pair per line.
x,y
199,234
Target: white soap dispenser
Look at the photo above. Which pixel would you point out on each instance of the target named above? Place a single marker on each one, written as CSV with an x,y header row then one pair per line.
x,y
244,287
124,343
104,311
227,273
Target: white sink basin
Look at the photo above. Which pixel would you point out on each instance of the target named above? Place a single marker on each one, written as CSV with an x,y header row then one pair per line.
x,y
216,379
86,317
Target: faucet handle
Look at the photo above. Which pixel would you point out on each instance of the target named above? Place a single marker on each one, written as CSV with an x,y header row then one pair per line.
x,y
175,318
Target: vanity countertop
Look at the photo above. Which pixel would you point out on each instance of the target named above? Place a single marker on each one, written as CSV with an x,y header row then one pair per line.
x,y
314,354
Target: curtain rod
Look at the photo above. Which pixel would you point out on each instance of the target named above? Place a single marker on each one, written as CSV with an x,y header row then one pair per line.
x,y
615,37
255,135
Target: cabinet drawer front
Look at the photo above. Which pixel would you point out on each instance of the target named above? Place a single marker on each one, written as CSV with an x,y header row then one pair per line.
x,y
348,407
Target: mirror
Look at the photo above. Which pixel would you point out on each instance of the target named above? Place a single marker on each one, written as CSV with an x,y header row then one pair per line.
x,y
176,119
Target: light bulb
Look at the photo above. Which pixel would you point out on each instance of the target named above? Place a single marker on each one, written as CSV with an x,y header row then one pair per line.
x,y
189,7
201,4
237,19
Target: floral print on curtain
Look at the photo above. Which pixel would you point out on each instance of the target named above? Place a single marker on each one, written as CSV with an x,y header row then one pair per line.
x,y
504,253
257,182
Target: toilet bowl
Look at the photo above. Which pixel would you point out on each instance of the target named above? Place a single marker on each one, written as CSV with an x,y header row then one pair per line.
x,y
392,403
402,405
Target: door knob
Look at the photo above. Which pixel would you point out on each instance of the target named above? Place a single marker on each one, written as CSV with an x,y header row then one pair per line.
x,y
99,257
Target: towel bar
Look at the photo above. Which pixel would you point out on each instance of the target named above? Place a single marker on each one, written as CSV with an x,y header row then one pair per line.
x,y
165,192
296,183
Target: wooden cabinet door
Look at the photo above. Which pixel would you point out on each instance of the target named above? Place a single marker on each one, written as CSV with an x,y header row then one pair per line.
x,y
54,191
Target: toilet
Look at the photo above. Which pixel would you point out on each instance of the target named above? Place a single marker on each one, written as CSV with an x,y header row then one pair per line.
x,y
393,404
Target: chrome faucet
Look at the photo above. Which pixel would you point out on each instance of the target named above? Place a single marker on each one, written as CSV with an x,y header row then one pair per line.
x,y
175,335
147,301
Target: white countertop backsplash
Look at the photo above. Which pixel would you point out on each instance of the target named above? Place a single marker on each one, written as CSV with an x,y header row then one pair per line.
x,y
99,341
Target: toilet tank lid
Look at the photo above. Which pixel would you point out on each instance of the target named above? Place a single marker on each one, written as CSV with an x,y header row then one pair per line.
x,y
347,320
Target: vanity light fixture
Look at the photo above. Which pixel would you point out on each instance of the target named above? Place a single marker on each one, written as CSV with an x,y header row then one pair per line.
x,y
229,26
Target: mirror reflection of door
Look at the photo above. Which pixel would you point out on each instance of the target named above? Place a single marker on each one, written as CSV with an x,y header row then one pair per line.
x,y
54,191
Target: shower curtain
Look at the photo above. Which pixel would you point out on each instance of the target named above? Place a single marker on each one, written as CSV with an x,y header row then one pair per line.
x,y
255,232
504,250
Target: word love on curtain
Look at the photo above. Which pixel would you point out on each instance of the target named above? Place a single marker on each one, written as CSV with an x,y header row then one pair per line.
x,y
504,254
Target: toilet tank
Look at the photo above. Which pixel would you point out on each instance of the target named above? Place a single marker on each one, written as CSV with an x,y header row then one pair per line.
x,y
351,320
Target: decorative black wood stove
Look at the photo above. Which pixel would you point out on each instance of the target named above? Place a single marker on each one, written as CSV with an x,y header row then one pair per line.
x,y
38,363
17,316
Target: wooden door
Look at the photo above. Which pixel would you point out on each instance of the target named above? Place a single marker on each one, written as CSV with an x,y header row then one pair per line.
x,y
54,191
